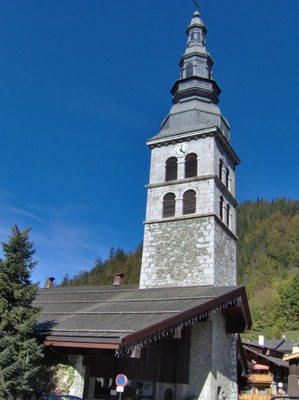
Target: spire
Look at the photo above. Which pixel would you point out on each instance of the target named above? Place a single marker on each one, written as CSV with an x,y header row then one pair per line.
x,y
196,65
196,60
195,93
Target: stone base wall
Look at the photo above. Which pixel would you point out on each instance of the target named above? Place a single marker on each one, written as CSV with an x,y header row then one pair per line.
x,y
225,257
191,252
178,253
77,387
213,362
179,391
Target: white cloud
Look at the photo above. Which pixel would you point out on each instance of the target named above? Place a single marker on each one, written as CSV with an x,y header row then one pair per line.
x,y
63,245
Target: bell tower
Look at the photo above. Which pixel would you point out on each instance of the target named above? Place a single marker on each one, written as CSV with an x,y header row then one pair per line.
x,y
190,227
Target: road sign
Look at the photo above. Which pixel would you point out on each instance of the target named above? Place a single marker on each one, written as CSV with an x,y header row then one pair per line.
x,y
121,380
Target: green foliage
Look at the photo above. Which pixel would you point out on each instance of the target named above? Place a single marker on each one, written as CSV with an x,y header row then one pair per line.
x,y
103,272
20,353
269,264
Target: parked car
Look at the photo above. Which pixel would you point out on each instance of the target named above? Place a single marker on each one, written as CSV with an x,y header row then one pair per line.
x,y
61,397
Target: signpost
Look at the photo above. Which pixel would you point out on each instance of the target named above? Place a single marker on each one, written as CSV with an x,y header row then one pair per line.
x,y
121,381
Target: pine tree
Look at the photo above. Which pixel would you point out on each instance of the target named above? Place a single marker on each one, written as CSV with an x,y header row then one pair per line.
x,y
20,352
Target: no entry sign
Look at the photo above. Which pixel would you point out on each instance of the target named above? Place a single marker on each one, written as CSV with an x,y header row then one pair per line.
x,y
121,380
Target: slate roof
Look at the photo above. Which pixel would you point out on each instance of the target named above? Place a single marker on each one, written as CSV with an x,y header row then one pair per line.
x,y
279,345
114,316
274,360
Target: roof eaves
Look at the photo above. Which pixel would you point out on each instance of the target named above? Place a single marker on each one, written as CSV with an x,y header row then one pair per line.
x,y
188,318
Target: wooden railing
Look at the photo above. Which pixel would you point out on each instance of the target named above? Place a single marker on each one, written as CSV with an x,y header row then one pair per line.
x,y
261,378
246,396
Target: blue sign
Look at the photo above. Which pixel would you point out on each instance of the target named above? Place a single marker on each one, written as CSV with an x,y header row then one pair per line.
x,y
121,380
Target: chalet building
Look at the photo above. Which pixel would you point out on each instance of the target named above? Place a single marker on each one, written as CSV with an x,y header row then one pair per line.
x,y
273,368
175,335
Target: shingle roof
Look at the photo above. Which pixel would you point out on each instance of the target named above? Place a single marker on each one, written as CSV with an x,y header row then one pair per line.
x,y
103,316
274,360
281,345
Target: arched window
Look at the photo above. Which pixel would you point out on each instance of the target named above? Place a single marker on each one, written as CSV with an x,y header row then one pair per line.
x,y
189,202
221,207
220,169
227,214
171,169
190,165
168,394
227,177
168,205
189,70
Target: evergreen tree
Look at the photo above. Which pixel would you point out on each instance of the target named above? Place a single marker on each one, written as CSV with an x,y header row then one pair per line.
x,y
20,352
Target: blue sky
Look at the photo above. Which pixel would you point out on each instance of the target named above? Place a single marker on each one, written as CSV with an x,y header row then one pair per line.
x,y
83,85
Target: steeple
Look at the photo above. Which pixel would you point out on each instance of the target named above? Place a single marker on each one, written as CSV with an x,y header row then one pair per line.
x,y
196,66
196,60
195,93
190,227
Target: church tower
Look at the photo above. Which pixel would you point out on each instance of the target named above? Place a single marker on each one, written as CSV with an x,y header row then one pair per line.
x,y
190,227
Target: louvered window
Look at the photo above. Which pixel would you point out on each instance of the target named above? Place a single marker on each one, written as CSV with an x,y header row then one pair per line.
x,y
189,202
190,165
221,207
168,205
220,169
171,169
227,178
189,70
227,214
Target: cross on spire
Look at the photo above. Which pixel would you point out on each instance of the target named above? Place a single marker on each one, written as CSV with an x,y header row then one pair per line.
x,y
196,3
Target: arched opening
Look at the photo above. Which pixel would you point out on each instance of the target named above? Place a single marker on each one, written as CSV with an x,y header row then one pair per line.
x,y
220,169
189,202
227,214
189,70
227,177
168,205
171,169
221,207
191,165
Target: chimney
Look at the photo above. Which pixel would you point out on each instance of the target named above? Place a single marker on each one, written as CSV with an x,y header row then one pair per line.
x,y
261,340
49,282
118,279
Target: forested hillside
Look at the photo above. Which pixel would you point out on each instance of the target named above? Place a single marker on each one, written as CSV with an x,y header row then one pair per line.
x,y
102,273
268,259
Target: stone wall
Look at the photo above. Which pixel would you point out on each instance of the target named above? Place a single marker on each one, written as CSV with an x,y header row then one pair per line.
x,y
200,370
225,257
77,387
213,361
195,251
179,253
224,360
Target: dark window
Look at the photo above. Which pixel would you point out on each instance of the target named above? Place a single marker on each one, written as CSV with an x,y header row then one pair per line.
x,y
168,205
190,165
189,70
227,177
189,202
171,169
220,169
221,207
227,214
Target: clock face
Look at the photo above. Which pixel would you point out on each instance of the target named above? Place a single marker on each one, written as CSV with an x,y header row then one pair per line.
x,y
181,149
